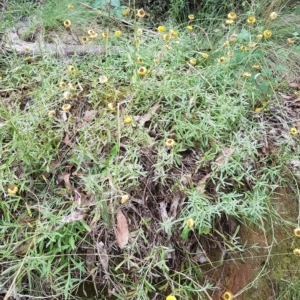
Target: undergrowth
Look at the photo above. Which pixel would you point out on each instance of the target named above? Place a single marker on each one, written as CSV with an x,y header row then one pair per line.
x,y
189,130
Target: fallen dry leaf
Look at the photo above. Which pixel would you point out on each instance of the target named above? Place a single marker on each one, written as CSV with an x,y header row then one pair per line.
x,y
67,182
89,115
201,183
121,231
147,117
75,215
224,156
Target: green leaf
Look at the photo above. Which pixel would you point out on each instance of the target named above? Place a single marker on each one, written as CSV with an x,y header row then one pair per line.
x,y
244,35
115,3
99,3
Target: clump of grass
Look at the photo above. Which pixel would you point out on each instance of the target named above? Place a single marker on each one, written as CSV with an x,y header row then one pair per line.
x,y
181,124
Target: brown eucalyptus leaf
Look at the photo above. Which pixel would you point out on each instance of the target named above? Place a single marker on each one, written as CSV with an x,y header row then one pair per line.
x,y
89,116
224,156
121,231
147,117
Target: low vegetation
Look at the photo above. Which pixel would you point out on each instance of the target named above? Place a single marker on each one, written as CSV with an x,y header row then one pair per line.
x,y
134,170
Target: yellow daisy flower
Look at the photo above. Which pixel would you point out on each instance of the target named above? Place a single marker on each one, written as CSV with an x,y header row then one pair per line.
x,y
67,23
256,67
70,6
104,34
166,37
229,22
62,85
222,60
297,232
103,79
267,34
84,40
51,113
12,190
142,71
193,61
232,16
168,47
273,15
118,33
127,120
290,41
258,109
226,44
227,296
71,69
67,95
126,11
72,86
66,107
124,199
190,28
139,60
173,33
141,13
111,106
233,38
139,31
137,42
251,20
259,36
190,222
247,74
170,297
161,28
170,143
243,48
204,55
296,252
252,45
191,17
293,131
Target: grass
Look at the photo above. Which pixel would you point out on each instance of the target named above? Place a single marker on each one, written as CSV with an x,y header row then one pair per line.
x,y
183,141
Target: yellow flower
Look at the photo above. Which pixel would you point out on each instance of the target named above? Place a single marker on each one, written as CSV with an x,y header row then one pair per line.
x,y
127,120
233,38
91,32
142,71
193,61
222,60
191,17
297,232
84,40
166,37
296,252
190,28
72,86
28,58
229,22
51,113
170,297
126,11
141,13
293,131
26,48
252,45
190,222
256,67
168,47
139,31
247,74
12,190
66,107
67,95
124,199
111,106
139,60
156,59
62,85
161,28
259,36
258,109
290,41
267,34
170,143
71,69
204,55
137,41
243,48
232,15
273,15
104,34
67,23
70,6
173,33
227,296
118,33
226,44
251,20
103,79
230,54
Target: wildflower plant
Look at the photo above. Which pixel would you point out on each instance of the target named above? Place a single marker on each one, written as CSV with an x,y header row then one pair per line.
x,y
167,140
